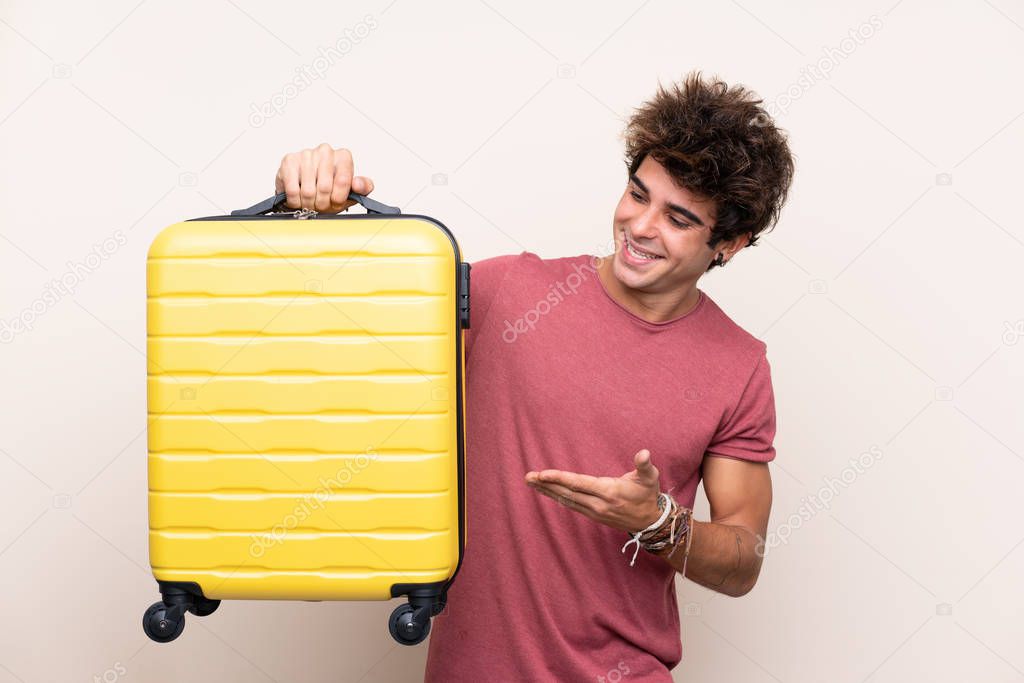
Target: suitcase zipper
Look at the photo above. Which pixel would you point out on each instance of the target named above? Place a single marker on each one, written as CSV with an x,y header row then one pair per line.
x,y
299,214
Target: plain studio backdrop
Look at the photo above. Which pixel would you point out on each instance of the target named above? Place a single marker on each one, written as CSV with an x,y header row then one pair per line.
x,y
889,296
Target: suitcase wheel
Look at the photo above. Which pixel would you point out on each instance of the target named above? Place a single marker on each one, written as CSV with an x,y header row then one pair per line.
x,y
165,620
161,623
409,625
204,607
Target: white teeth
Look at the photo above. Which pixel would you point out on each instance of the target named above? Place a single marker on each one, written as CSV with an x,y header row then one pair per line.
x,y
638,254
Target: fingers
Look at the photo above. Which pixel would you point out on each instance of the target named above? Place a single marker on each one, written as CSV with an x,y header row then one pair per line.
x,y
566,479
362,185
307,179
601,487
568,497
325,173
288,179
320,178
341,180
644,467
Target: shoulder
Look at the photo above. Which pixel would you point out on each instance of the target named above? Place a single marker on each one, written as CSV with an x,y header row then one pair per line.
x,y
487,275
729,337
528,259
494,264
528,267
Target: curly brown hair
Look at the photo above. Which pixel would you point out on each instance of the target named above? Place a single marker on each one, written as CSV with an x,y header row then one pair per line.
x,y
718,142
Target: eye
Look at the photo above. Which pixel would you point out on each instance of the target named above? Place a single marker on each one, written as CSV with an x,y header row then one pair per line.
x,y
636,195
678,224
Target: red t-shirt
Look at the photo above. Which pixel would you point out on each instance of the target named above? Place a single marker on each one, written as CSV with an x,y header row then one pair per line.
x,y
559,375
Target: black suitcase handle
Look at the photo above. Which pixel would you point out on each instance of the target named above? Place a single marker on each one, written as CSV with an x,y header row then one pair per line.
x,y
277,202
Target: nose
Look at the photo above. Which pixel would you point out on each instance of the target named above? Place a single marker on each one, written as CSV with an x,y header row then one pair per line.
x,y
643,227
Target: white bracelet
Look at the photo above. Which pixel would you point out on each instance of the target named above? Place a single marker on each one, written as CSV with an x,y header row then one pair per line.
x,y
661,520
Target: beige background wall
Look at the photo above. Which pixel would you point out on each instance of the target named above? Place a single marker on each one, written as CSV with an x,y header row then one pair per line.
x,y
889,295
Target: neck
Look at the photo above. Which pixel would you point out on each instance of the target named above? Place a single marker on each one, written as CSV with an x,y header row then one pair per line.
x,y
654,307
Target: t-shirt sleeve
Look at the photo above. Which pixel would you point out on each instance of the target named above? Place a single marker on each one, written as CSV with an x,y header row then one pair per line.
x,y
485,280
749,432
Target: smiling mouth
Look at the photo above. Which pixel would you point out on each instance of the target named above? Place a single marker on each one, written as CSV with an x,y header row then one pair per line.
x,y
636,251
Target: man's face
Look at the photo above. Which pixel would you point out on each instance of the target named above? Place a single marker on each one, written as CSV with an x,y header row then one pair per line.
x,y
659,218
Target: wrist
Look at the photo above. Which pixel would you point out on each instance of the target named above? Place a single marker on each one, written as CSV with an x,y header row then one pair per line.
x,y
663,533
671,530
652,511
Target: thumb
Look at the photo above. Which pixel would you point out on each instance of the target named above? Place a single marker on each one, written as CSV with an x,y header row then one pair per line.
x,y
646,470
362,185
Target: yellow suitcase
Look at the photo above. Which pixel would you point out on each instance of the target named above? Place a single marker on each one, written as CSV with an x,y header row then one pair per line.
x,y
306,419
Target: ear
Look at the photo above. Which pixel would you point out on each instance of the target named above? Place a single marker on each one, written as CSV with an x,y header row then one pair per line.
x,y
734,245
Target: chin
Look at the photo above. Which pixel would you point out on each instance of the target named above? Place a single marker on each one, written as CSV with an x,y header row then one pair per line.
x,y
633,279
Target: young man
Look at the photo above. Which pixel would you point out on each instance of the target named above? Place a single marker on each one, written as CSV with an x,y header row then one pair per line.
x,y
582,368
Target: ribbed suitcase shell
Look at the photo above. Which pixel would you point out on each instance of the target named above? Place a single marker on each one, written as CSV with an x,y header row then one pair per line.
x,y
305,406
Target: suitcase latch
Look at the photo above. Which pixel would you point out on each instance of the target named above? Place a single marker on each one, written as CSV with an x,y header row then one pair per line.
x,y
464,294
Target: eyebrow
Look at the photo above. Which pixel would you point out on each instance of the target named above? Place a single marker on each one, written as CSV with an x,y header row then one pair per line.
x,y
674,207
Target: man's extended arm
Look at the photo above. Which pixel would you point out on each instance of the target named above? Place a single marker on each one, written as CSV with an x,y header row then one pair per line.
x,y
726,553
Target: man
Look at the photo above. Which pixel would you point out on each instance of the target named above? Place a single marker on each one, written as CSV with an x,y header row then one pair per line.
x,y
582,368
